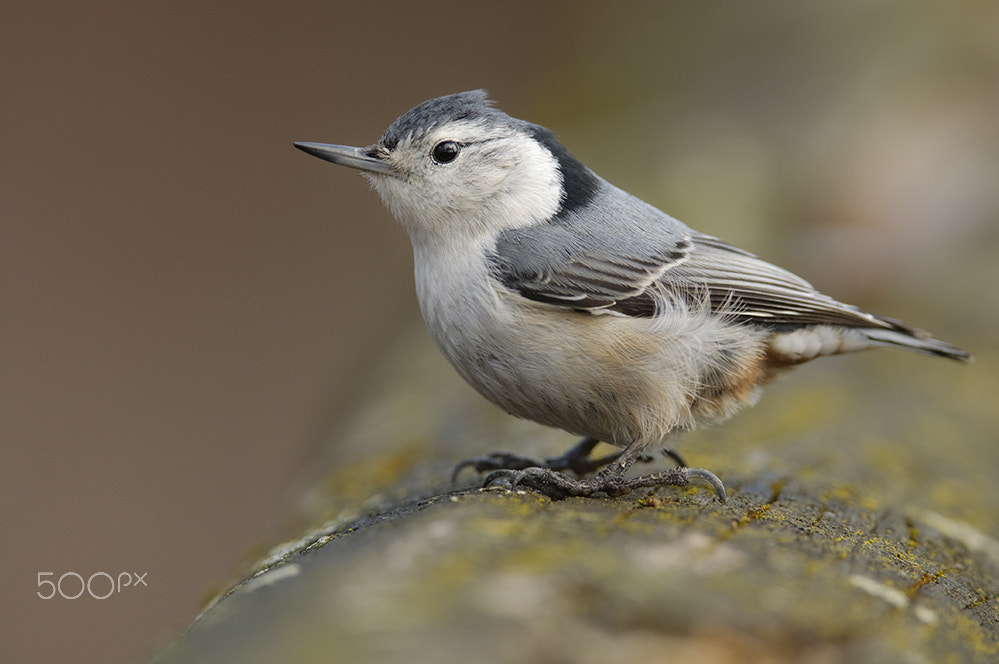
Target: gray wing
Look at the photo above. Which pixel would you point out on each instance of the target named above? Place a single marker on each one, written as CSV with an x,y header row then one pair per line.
x,y
755,291
615,271
558,265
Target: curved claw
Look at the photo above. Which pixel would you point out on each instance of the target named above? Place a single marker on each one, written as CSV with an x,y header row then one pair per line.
x,y
710,478
502,473
494,461
673,454
467,463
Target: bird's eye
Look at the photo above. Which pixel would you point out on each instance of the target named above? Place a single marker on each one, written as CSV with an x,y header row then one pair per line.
x,y
445,152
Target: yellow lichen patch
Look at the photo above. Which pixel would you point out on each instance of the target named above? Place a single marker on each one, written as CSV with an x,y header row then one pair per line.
x,y
366,476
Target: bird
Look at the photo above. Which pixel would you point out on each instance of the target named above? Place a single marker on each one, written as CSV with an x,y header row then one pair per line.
x,y
565,300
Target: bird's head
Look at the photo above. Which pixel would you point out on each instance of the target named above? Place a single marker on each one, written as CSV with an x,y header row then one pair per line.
x,y
455,167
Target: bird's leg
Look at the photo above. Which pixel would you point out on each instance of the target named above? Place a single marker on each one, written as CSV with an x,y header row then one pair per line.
x,y
576,458
610,480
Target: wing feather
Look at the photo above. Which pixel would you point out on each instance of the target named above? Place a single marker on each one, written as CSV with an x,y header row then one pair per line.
x,y
755,291
594,273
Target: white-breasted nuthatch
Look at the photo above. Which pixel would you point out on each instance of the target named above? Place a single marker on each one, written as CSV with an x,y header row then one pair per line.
x,y
567,301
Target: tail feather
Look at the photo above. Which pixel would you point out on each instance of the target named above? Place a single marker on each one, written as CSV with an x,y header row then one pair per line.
x,y
897,334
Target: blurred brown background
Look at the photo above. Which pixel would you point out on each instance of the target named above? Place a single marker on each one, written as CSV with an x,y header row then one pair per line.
x,y
188,304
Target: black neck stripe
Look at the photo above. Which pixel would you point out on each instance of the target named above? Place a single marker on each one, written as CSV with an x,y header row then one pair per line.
x,y
579,182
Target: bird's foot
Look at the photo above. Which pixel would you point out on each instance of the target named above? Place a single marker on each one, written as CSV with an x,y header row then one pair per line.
x,y
557,486
576,458
578,464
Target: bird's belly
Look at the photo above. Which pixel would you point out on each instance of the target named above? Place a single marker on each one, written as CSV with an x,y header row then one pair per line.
x,y
614,378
